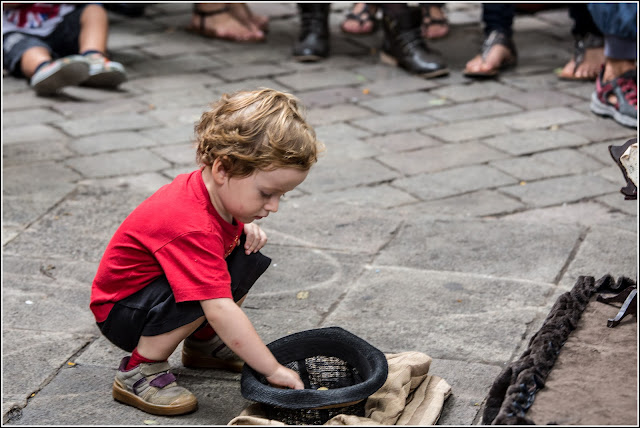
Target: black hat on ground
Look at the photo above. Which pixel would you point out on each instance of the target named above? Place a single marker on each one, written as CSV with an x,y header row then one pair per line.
x,y
346,368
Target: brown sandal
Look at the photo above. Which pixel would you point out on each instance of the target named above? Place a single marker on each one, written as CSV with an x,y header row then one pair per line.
x,y
429,21
365,16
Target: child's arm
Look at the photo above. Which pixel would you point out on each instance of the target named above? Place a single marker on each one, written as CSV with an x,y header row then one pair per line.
x,y
237,332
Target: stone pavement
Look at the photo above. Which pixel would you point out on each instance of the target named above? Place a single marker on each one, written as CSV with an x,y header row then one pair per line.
x,y
446,216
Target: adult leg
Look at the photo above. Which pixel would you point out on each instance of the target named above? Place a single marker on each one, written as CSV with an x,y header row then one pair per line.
x,y
616,93
498,50
361,19
257,23
403,43
313,40
588,52
217,20
434,22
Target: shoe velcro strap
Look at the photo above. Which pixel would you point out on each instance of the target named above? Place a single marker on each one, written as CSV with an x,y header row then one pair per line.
x,y
151,369
163,380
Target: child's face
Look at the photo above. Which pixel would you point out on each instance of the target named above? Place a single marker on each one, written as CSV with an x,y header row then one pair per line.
x,y
254,197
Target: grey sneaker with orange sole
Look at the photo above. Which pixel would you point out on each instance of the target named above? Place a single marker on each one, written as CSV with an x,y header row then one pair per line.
x,y
152,388
210,354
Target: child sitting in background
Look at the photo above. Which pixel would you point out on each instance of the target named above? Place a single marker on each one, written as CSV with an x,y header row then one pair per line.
x,y
56,45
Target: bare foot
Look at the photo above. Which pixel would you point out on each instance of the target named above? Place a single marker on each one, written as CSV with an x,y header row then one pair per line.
x,y
496,58
589,69
616,67
242,13
222,25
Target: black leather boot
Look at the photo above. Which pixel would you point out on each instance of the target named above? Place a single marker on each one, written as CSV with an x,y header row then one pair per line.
x,y
313,41
403,45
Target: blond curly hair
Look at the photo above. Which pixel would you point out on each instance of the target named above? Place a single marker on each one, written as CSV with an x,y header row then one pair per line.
x,y
256,130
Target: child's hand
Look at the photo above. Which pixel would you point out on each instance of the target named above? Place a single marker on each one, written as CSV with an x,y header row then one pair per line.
x,y
285,377
256,238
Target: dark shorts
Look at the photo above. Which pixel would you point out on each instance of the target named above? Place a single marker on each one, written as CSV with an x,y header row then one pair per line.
x,y
63,41
153,310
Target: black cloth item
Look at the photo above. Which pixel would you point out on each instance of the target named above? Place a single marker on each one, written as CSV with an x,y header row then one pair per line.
x,y
245,269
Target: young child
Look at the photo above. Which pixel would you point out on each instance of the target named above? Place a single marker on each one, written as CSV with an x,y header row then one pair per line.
x,y
164,274
41,41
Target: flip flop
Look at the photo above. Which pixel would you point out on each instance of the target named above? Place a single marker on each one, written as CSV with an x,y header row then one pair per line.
x,y
582,43
495,38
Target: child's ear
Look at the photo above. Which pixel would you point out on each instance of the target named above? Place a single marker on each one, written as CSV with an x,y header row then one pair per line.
x,y
218,171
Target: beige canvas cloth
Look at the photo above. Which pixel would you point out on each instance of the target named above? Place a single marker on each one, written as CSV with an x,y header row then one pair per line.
x,y
410,396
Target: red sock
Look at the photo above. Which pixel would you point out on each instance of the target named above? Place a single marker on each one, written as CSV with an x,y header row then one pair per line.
x,y
137,359
206,332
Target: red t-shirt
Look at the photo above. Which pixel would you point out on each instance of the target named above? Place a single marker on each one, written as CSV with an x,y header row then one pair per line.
x,y
176,232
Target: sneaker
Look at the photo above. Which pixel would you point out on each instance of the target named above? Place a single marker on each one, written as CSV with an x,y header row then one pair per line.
x,y
624,88
104,73
67,71
210,354
152,388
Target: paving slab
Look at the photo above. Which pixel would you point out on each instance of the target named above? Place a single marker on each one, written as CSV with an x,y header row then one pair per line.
x,y
548,164
112,123
32,132
522,143
34,152
436,159
508,249
468,381
450,323
336,113
481,203
467,130
454,181
30,190
382,196
343,173
404,103
545,118
358,230
555,191
402,141
395,122
474,110
49,352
